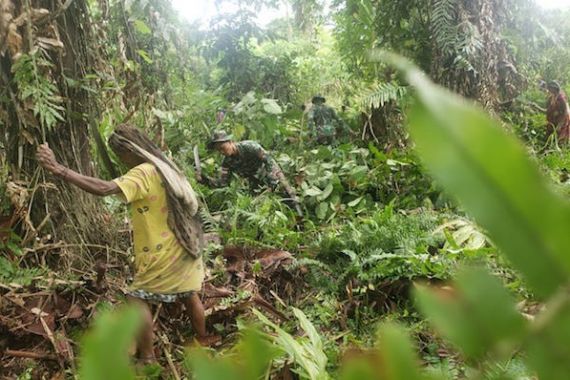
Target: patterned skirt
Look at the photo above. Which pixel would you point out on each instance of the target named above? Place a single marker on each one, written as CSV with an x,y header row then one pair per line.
x,y
157,297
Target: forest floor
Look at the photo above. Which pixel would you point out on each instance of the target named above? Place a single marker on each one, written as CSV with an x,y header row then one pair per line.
x,y
40,325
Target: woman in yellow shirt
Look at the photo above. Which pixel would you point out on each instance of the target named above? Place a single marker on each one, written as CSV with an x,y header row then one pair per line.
x,y
167,236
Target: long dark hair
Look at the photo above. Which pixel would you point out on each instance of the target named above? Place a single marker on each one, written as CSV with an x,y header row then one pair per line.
x,y
182,201
553,86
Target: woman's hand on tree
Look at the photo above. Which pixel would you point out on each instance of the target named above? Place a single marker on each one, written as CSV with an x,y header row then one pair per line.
x,y
47,160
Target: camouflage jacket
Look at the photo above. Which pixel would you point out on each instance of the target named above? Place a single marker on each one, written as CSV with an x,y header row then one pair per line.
x,y
323,122
251,162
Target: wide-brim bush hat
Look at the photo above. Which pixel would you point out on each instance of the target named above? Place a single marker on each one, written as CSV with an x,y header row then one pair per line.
x,y
317,98
219,137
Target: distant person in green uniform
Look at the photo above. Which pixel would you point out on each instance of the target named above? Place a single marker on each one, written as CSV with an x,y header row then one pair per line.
x,y
248,159
323,122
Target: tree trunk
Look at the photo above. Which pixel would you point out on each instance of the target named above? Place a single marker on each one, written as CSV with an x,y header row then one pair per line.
x,y
57,39
468,49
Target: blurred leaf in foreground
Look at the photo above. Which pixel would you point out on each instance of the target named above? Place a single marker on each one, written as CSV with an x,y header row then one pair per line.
x,y
105,349
392,359
248,360
549,348
398,357
490,173
478,315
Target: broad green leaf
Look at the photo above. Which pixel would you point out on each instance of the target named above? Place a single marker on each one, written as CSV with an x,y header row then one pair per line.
x,y
313,192
239,131
326,192
359,368
150,372
204,367
355,202
477,315
250,360
379,155
271,106
245,102
328,165
397,358
322,210
255,353
312,333
391,162
549,347
141,27
489,171
307,354
144,55
104,353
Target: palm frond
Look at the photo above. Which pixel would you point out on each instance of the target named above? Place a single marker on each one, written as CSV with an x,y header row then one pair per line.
x,y
382,93
443,24
454,34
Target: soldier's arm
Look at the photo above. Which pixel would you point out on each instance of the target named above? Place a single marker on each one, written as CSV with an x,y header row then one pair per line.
x,y
311,123
226,174
265,158
334,115
269,164
224,178
340,124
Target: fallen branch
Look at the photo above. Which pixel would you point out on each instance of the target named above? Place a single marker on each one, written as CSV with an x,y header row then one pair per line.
x,y
269,308
60,245
165,346
30,355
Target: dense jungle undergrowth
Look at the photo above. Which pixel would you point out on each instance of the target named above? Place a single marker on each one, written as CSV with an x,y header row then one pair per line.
x,y
433,242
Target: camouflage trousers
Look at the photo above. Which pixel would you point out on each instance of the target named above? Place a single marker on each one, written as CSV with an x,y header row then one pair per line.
x,y
325,134
325,139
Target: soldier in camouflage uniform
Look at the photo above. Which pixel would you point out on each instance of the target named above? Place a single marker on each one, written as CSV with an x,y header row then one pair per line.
x,y
248,159
323,122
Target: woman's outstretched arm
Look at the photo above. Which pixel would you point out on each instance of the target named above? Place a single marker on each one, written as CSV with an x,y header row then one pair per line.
x,y
92,185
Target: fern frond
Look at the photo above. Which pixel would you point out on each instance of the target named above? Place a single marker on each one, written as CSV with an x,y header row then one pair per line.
x,y
310,262
454,35
443,26
37,89
208,222
381,93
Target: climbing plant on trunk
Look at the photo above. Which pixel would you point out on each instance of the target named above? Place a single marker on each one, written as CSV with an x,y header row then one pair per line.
x,y
48,96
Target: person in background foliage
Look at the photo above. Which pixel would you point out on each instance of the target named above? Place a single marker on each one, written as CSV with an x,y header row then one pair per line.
x,y
558,113
167,234
323,122
220,115
248,159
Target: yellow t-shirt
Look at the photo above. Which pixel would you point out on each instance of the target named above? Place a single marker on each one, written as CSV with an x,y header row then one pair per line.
x,y
161,264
